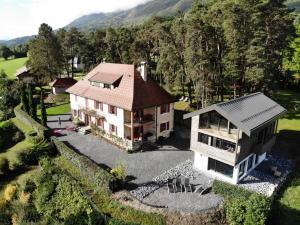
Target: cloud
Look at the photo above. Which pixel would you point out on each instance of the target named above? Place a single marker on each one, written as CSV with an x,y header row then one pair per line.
x,y
23,17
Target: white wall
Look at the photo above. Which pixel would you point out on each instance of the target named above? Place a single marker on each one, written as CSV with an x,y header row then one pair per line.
x,y
58,90
163,118
110,118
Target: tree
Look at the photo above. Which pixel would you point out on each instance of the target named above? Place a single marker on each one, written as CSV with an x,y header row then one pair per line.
x,y
45,56
43,109
6,52
24,99
32,106
71,42
9,97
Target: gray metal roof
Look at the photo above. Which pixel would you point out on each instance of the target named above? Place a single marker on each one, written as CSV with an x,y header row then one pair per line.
x,y
247,113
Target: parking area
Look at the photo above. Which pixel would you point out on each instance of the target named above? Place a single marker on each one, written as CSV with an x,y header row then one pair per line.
x,y
141,167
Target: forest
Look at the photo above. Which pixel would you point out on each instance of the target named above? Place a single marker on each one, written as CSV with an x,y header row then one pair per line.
x,y
215,51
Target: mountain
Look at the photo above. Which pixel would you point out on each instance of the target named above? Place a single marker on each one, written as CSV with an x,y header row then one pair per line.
x,y
135,15
17,41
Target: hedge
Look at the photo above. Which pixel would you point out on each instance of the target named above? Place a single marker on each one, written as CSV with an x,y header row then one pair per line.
x,y
98,176
230,191
25,118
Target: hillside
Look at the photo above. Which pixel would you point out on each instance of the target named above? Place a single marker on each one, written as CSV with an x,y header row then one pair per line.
x,y
135,15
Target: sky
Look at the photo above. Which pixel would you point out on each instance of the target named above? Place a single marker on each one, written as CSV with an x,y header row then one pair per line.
x,y
23,17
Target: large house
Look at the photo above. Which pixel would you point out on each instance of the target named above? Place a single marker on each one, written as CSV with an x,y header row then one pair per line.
x,y
230,139
123,102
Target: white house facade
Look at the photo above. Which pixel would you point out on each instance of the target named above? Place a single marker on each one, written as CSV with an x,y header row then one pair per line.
x,y
122,102
230,139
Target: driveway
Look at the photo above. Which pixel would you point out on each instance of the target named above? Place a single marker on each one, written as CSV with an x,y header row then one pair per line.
x,y
52,121
142,167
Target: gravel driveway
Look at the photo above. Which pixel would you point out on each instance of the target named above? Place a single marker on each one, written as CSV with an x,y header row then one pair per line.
x,y
143,167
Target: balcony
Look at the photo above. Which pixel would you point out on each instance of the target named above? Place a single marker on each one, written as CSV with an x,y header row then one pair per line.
x,y
140,121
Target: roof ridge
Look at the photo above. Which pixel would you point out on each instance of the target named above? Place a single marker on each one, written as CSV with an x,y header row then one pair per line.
x,y
238,99
259,113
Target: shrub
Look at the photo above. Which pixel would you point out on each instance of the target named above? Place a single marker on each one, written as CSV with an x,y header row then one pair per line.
x,y
119,173
7,133
230,191
24,197
3,203
258,209
242,206
25,118
4,165
98,176
18,136
235,211
114,221
10,192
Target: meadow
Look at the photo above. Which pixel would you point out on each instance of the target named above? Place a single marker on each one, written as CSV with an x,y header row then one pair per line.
x,y
10,66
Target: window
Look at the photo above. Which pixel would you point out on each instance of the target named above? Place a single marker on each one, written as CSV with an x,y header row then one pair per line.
x,y
203,138
100,123
260,137
164,126
113,129
107,86
256,159
98,105
223,144
112,110
165,108
250,162
220,167
204,120
86,103
242,169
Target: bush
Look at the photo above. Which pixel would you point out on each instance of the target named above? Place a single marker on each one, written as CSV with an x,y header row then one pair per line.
x,y
119,222
242,206
25,118
258,209
98,176
4,165
10,192
8,132
119,173
230,191
59,196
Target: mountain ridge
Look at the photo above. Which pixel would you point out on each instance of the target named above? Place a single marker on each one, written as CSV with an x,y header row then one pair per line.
x,y
133,16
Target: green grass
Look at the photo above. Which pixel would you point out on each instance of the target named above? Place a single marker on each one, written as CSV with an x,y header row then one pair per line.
x,y
57,110
10,66
287,207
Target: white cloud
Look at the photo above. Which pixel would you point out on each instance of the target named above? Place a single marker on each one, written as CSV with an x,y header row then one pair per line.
x,y
23,17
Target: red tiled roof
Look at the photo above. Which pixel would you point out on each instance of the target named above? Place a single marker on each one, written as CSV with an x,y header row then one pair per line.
x,y
132,93
63,82
106,78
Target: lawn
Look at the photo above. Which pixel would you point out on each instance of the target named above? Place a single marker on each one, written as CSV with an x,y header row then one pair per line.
x,y
59,109
10,66
288,139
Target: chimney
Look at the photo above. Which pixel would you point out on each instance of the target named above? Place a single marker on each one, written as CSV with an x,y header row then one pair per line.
x,y
144,71
104,60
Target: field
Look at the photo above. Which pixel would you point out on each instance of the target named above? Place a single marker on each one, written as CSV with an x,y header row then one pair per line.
x,y
10,66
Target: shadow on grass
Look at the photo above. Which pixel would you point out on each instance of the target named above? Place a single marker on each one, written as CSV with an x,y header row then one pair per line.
x,y
12,175
288,144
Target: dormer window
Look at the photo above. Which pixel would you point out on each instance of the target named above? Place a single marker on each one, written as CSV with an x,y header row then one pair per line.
x,y
105,80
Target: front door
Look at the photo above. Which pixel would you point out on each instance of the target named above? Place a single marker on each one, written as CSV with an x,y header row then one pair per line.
x,y
87,120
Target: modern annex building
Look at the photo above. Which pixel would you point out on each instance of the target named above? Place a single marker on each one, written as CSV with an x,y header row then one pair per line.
x,y
122,101
230,139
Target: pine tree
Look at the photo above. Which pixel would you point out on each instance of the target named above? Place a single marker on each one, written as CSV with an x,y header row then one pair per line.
x,y
45,56
43,110
32,106
24,99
